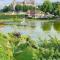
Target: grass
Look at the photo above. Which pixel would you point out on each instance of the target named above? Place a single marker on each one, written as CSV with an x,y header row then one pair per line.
x,y
14,46
17,18
10,18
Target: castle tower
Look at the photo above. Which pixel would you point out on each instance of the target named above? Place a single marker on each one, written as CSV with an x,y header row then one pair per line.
x,y
14,4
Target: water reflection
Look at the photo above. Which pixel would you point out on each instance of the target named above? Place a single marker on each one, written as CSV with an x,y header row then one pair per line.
x,y
46,26
35,29
57,25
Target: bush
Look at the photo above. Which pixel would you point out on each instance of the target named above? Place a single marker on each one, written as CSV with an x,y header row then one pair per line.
x,y
20,47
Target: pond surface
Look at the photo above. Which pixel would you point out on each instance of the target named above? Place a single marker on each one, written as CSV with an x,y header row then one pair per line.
x,y
35,29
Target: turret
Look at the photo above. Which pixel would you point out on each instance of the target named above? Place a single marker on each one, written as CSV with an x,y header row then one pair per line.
x,y
14,4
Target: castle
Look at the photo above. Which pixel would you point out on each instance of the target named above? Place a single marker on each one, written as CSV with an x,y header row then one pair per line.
x,y
25,2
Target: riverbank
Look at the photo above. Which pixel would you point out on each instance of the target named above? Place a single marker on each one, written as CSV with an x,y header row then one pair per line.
x,y
19,18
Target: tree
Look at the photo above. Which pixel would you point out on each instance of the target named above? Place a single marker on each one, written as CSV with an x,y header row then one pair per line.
x,y
6,9
47,6
56,8
23,8
26,8
18,7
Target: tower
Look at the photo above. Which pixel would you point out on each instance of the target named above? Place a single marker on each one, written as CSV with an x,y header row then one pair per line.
x,y
14,4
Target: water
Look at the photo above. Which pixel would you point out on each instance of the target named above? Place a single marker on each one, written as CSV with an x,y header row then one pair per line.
x,y
35,29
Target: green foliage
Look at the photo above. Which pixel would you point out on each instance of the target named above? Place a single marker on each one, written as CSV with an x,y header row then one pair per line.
x,y
53,8
23,8
56,8
47,6
18,7
3,48
13,47
50,49
6,9
11,18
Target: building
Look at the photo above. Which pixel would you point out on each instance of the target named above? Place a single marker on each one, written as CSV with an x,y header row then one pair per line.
x,y
25,2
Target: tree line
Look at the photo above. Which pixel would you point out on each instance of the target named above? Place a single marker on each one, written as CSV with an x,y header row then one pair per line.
x,y
53,8
18,8
47,6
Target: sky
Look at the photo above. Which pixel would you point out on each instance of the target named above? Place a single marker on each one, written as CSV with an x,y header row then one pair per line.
x,y
7,2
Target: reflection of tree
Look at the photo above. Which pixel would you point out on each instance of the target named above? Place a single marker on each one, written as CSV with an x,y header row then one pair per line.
x,y
57,26
46,26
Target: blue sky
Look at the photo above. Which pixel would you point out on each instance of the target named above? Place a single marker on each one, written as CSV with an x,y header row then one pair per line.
x,y
7,2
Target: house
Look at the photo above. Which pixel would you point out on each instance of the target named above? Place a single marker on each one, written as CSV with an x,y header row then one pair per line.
x,y
30,13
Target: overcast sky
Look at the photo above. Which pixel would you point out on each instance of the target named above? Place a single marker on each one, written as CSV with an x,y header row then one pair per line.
x,y
7,2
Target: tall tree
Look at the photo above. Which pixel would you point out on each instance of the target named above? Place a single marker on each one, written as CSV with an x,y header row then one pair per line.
x,y
56,8
6,9
47,6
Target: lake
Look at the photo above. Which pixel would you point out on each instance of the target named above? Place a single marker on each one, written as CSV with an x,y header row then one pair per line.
x,y
34,28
